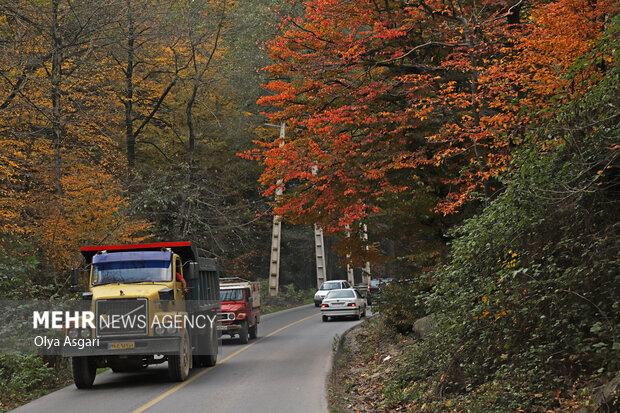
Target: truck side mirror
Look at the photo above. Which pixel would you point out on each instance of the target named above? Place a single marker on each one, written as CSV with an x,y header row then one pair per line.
x,y
75,277
192,271
250,299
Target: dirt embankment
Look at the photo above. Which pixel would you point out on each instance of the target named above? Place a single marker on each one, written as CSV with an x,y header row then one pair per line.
x,y
358,380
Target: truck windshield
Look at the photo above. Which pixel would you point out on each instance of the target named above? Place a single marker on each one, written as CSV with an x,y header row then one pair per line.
x,y
131,272
231,295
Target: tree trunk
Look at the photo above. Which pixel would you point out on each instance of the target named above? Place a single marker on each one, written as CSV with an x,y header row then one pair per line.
x,y
129,89
55,95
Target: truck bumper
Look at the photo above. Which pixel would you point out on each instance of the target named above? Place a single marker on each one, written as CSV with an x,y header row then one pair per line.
x,y
229,328
127,346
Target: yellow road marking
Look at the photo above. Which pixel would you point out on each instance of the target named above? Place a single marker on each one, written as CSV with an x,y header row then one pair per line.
x,y
191,379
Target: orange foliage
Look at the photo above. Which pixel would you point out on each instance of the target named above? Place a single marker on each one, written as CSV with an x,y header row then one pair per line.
x,y
58,192
532,75
93,210
438,89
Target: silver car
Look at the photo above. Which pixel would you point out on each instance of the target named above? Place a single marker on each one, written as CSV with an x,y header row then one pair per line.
x,y
326,287
343,303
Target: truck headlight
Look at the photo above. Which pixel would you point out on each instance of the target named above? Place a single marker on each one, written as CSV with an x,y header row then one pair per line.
x,y
85,333
73,333
171,330
159,330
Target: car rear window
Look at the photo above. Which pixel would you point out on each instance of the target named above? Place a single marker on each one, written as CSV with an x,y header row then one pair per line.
x,y
330,286
341,294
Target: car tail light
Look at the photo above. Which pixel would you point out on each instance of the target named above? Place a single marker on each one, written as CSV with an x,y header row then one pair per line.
x,y
351,305
324,305
368,288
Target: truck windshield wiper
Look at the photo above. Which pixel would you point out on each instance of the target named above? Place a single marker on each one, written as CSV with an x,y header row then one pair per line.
x,y
138,281
129,282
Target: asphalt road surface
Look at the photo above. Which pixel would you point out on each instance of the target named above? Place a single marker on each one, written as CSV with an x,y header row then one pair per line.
x,y
283,370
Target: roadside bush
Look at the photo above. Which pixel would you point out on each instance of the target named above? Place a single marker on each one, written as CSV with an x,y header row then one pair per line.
x,y
403,302
23,377
15,270
288,297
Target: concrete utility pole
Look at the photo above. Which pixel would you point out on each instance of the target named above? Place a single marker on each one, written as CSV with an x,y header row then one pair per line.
x,y
321,261
274,267
319,250
366,271
350,275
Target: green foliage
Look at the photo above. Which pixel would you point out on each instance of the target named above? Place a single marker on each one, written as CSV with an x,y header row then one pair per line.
x,y
403,302
288,297
528,305
22,276
23,377
14,272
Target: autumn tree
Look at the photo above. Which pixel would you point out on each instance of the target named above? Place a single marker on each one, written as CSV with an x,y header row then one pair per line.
x,y
390,100
57,134
144,66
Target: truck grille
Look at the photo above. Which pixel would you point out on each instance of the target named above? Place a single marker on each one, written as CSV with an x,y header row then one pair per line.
x,y
122,317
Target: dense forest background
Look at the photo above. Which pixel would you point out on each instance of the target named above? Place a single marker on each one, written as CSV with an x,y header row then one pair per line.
x,y
120,122
477,142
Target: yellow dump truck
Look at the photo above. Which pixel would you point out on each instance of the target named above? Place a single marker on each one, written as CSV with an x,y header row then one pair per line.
x,y
151,303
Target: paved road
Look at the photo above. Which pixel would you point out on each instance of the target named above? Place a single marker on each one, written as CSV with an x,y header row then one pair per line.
x,y
284,370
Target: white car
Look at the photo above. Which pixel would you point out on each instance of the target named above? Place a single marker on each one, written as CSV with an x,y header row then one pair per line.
x,y
343,303
326,287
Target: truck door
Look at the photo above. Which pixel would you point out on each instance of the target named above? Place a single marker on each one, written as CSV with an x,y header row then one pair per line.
x,y
179,293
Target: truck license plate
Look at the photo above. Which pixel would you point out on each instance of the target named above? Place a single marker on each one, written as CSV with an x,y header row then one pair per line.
x,y
121,346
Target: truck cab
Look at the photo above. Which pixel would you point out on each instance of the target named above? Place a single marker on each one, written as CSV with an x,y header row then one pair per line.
x,y
240,311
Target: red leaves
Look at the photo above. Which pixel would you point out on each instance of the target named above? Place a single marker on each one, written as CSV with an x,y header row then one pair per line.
x,y
382,91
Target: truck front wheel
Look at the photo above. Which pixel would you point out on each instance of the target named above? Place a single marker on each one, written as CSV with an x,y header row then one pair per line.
x,y
243,332
254,330
84,372
179,364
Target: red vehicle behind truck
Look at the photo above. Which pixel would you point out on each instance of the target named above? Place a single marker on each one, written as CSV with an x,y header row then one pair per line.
x,y
240,312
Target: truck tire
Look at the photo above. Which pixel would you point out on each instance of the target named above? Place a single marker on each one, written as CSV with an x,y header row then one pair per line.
x,y
244,333
205,360
84,372
179,364
254,330
209,360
